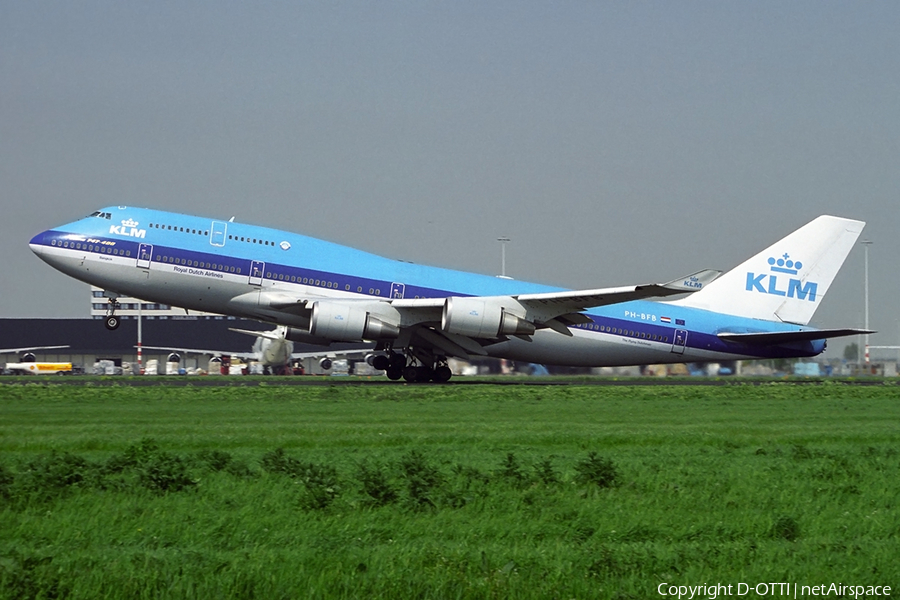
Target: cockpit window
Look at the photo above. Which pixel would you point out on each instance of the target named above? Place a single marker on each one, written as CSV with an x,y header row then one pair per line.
x,y
101,215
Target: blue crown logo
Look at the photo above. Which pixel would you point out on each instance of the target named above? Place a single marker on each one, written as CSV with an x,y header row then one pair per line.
x,y
785,265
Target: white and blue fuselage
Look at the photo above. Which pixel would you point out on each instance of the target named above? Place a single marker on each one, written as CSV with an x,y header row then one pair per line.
x,y
236,269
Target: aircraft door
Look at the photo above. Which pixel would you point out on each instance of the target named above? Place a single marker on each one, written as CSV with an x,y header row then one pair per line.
x,y
217,233
680,341
145,254
257,268
397,290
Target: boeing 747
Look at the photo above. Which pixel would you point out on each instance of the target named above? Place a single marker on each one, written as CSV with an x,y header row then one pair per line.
x,y
320,292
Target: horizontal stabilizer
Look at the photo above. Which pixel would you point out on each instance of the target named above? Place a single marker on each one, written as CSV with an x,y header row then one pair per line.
x,y
786,337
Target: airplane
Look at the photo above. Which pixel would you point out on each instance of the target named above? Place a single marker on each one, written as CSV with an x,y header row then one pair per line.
x,y
273,350
29,364
29,349
419,316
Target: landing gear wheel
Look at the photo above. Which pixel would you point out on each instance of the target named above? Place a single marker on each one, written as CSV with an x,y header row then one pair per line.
x,y
112,322
411,374
381,363
423,374
398,361
442,374
394,374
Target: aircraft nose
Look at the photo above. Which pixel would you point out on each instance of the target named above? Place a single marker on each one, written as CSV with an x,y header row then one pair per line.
x,y
37,243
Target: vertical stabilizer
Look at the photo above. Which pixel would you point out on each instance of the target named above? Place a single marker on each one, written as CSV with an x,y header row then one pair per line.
x,y
788,280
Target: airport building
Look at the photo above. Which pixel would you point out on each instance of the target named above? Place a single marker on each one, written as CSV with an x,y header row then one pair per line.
x,y
130,308
174,328
89,341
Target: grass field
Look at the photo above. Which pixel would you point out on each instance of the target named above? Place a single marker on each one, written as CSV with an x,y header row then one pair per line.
x,y
471,491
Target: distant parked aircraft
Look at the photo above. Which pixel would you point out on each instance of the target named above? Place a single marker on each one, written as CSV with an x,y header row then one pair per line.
x,y
272,349
30,366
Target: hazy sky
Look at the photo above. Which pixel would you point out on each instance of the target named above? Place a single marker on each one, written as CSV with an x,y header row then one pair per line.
x,y
615,143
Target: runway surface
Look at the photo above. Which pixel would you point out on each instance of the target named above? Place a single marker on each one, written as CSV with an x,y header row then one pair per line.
x,y
255,381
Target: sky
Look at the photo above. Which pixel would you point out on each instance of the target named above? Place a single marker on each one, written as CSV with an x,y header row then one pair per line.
x,y
614,143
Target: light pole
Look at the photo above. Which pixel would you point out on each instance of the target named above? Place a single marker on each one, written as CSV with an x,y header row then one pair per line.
x,y
866,244
140,338
503,241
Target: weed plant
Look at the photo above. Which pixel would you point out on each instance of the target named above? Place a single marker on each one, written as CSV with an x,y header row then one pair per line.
x,y
437,492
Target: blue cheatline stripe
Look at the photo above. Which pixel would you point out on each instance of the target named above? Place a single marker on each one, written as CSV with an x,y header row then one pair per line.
x,y
601,321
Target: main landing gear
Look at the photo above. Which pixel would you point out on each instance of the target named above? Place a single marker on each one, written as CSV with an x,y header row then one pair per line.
x,y
112,321
397,366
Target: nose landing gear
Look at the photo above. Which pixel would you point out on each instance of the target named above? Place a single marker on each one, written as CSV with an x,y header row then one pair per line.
x,y
112,321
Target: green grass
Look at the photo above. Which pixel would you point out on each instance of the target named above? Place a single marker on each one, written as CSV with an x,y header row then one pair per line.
x,y
472,491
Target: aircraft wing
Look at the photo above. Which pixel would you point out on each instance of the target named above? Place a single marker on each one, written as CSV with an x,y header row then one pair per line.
x,y
578,300
29,349
196,351
454,325
584,299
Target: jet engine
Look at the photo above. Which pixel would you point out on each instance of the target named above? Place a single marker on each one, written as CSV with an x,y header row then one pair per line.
x,y
482,318
347,322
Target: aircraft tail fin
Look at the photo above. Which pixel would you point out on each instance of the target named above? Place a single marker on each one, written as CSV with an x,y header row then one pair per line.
x,y
786,281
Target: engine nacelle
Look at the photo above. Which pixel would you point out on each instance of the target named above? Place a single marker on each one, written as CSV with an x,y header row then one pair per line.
x,y
481,318
346,322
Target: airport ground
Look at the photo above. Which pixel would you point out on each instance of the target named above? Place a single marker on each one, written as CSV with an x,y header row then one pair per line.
x,y
480,380
474,490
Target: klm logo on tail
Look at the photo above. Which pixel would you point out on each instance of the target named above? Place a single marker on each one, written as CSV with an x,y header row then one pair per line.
x,y
769,283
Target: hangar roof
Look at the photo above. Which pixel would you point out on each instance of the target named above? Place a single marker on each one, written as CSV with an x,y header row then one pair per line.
x,y
90,336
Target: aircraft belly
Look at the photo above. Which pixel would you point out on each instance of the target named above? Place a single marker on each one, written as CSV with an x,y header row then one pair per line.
x,y
587,349
583,349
